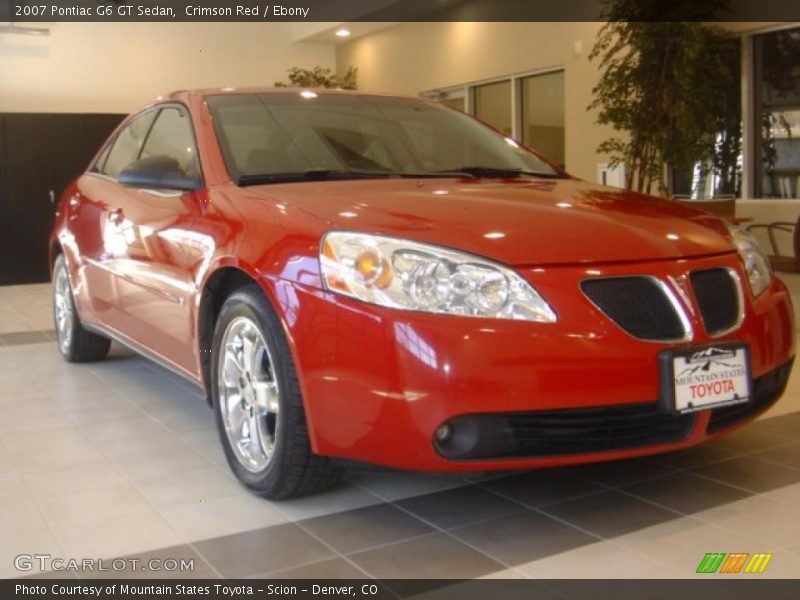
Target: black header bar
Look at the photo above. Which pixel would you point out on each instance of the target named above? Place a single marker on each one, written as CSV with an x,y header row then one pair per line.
x,y
363,10
710,587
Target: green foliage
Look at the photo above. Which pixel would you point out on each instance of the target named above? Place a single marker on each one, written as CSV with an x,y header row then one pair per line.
x,y
320,77
671,86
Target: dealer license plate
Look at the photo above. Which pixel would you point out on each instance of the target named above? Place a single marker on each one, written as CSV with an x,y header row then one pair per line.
x,y
705,377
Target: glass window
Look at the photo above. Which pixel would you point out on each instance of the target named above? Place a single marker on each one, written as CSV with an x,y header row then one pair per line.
x,y
101,160
493,105
456,102
264,134
543,114
777,96
172,136
127,145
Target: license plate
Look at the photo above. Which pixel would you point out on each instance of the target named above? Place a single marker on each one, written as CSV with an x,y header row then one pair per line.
x,y
705,377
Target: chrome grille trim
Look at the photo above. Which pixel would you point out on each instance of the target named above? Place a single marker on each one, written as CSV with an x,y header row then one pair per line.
x,y
737,284
678,308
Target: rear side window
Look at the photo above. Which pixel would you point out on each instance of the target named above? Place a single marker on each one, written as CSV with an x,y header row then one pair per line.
x,y
172,136
125,149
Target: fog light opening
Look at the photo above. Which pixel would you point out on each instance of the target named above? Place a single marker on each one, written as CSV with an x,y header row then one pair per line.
x,y
444,433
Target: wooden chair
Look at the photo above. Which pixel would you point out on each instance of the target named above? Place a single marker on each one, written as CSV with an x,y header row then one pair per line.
x,y
787,264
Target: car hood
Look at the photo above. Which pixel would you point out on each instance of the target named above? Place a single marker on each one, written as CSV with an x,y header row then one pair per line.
x,y
517,221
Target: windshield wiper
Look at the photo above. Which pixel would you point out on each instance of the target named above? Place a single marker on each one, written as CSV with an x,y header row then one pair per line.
x,y
310,175
341,175
477,171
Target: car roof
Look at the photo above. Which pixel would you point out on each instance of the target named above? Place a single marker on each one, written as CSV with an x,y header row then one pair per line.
x,y
200,93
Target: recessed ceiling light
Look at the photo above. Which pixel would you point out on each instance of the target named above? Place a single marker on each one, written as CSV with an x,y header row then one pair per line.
x,y
342,33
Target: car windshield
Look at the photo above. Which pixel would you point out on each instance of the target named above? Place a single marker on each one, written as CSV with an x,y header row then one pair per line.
x,y
284,137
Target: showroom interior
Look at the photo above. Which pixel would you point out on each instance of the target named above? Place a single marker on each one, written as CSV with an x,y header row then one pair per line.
x,y
121,458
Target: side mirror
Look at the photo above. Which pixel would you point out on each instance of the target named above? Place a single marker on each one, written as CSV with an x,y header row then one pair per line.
x,y
158,172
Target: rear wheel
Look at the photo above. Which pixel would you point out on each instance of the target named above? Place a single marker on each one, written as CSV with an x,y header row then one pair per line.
x,y
257,402
74,342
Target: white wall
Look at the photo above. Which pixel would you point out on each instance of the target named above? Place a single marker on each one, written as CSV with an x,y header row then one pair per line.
x,y
117,67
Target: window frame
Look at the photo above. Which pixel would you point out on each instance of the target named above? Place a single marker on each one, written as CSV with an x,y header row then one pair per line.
x,y
475,104
467,90
519,102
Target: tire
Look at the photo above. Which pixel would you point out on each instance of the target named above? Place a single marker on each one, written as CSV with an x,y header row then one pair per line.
x,y
76,344
257,402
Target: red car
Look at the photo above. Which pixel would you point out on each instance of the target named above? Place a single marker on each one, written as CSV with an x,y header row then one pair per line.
x,y
389,280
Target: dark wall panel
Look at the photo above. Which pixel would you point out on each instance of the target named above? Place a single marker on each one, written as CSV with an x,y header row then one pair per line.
x,y
28,209
43,153
3,203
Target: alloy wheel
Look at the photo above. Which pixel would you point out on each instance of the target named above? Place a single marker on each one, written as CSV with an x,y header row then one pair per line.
x,y
249,394
64,312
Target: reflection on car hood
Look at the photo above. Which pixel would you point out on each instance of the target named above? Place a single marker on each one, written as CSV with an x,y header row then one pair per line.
x,y
516,221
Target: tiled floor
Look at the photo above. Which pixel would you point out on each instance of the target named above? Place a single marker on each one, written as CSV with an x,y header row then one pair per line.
x,y
121,458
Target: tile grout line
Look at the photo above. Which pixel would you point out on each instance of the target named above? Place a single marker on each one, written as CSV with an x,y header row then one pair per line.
x,y
693,516
586,531
163,425
336,552
340,555
133,484
448,534
36,501
51,532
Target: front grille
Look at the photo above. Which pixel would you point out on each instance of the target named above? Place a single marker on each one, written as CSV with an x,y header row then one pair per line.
x,y
562,432
718,298
639,305
766,391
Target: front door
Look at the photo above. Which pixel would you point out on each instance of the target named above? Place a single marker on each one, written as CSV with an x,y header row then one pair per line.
x,y
161,249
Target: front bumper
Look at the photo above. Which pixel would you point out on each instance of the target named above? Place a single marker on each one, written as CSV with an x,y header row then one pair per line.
x,y
378,383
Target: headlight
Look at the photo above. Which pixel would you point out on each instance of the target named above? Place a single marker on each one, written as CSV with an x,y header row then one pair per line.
x,y
756,264
413,276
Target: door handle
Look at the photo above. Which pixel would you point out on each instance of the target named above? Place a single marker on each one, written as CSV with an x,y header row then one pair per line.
x,y
116,216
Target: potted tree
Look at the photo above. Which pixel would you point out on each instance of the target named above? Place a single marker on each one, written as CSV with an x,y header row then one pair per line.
x,y
671,91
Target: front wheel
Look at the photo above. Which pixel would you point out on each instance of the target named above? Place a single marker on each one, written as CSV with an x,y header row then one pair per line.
x,y
257,402
74,342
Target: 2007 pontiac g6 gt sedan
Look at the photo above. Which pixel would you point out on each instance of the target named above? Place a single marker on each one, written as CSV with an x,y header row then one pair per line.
x,y
388,280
